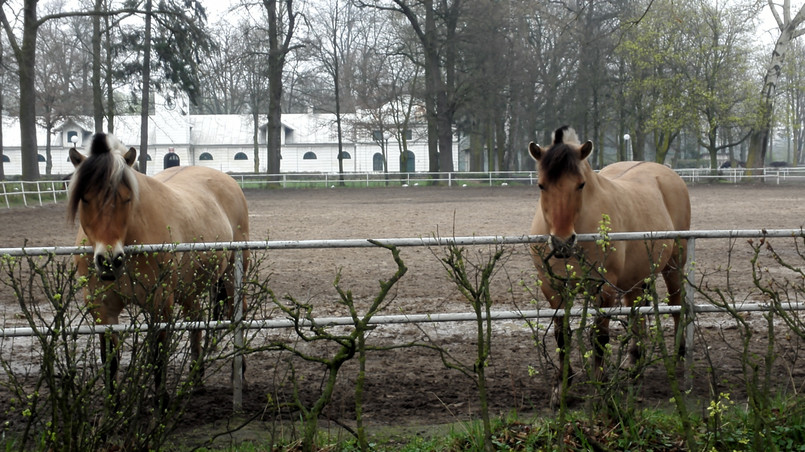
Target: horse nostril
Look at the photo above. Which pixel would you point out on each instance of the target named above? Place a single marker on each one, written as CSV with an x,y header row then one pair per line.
x,y
100,261
117,262
572,240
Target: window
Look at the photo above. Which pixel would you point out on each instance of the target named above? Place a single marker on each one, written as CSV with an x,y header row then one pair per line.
x,y
409,134
7,160
345,155
41,158
71,136
377,162
241,156
309,156
205,156
408,162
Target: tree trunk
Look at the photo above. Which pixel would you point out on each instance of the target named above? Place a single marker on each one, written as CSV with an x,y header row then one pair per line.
x,y
27,74
48,153
97,90
256,129
146,90
662,144
276,61
432,82
110,97
2,106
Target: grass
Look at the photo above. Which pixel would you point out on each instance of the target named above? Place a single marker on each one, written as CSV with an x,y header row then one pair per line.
x,y
649,429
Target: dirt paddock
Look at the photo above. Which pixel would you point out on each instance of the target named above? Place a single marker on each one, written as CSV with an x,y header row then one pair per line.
x,y
412,386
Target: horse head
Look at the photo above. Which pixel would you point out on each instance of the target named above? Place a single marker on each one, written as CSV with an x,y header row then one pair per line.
x,y
561,182
102,193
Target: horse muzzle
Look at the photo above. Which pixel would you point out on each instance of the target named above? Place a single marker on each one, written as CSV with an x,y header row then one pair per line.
x,y
109,265
561,248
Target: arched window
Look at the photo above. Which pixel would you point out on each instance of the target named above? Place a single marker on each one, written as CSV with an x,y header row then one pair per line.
x,y
345,155
241,156
7,160
205,156
377,162
170,160
309,156
41,158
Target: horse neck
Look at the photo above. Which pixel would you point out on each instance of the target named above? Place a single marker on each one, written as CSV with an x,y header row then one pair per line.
x,y
142,224
592,180
596,195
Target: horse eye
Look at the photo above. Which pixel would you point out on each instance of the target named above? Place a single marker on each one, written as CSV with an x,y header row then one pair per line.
x,y
541,187
581,185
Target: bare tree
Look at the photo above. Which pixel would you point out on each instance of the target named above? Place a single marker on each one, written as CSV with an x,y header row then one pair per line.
x,y
435,24
24,51
281,29
61,81
790,27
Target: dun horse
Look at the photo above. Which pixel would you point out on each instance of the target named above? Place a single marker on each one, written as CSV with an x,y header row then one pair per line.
x,y
118,206
630,196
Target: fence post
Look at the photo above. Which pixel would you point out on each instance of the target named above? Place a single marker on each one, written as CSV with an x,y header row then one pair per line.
x,y
237,364
690,309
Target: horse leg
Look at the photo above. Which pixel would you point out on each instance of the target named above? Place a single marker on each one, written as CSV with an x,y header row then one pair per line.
x,y
196,357
107,312
599,335
160,360
160,351
562,371
637,325
600,340
673,274
110,358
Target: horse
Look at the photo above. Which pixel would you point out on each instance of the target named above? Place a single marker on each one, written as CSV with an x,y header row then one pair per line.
x,y
623,197
117,206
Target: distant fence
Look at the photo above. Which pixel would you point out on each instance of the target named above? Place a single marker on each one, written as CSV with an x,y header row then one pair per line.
x,y
22,193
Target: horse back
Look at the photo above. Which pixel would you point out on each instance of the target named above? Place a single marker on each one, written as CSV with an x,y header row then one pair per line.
x,y
211,206
644,188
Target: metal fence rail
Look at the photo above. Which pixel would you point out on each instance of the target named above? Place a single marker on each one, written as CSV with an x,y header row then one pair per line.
x,y
690,307
40,192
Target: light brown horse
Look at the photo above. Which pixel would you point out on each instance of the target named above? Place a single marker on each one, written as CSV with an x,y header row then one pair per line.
x,y
632,196
118,206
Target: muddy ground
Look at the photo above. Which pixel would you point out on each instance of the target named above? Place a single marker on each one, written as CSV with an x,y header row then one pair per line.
x,y
412,386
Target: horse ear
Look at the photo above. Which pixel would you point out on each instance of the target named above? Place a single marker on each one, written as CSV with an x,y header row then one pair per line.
x,y
586,149
535,151
131,156
76,157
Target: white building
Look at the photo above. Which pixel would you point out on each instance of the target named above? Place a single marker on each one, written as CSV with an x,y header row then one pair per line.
x,y
225,142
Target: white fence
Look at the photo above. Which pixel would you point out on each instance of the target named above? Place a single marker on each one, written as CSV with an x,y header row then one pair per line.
x,y
41,192
691,308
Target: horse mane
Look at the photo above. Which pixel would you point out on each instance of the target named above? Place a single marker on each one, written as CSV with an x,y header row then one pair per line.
x,y
563,155
102,173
